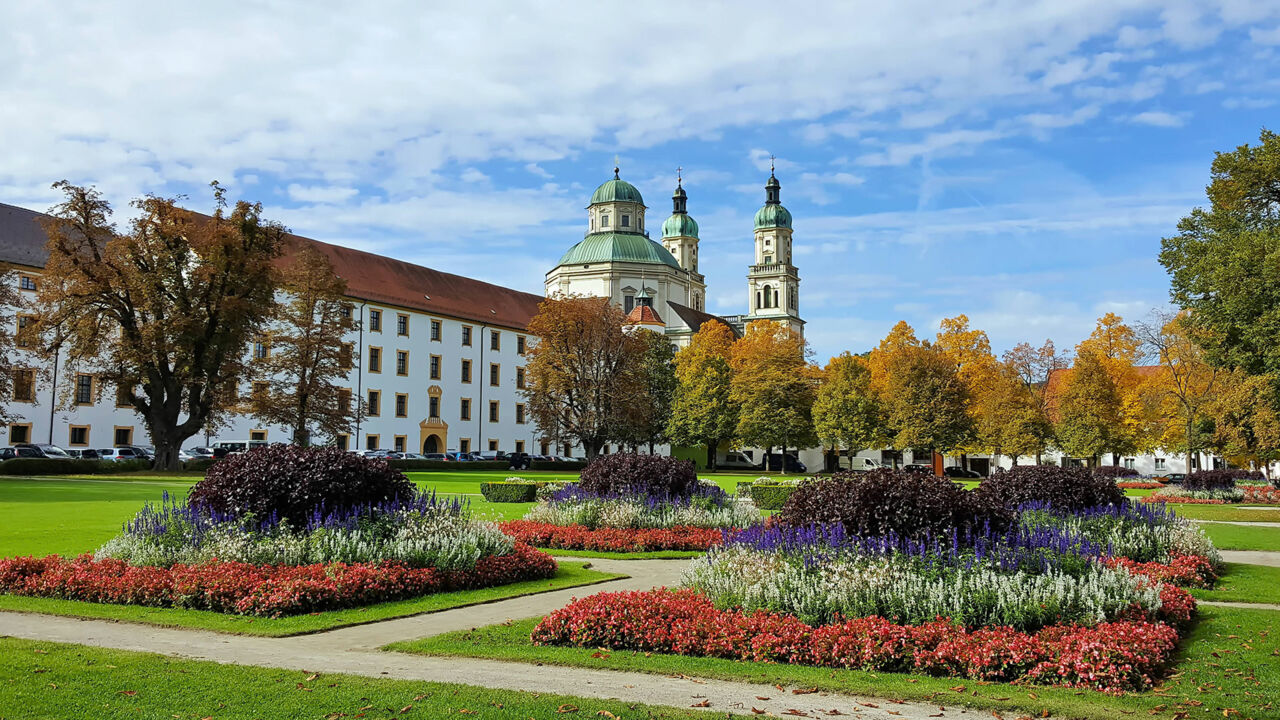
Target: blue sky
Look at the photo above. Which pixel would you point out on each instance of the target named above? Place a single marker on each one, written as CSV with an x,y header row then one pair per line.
x,y
1016,161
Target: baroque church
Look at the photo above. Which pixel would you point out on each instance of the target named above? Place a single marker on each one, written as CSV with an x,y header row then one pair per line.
x,y
657,283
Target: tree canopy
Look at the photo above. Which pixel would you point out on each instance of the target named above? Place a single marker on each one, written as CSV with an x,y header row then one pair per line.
x,y
846,414
704,412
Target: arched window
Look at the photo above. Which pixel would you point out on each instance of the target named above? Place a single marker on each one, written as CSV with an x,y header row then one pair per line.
x,y
758,305
770,298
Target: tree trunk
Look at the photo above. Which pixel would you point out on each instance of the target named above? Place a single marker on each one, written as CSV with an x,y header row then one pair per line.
x,y
1190,427
711,455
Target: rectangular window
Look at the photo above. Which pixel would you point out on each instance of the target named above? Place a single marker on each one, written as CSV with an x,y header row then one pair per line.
x,y
123,436
495,340
24,385
342,441
402,405
260,349
495,372
604,221
435,367
466,335
466,371
345,312
628,304
375,359
402,324
375,323
493,446
520,378
464,411
258,436
1160,463
78,435
19,433
520,444
402,362
626,221
433,407
519,413
27,282
375,404
260,390
464,445
435,330
520,344
1129,463
493,411
399,443
346,353
344,401
124,391
84,389
545,448
20,338
370,442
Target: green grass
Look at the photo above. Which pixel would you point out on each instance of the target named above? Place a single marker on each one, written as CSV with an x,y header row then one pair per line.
x,y
1241,537
1226,512
1245,583
54,680
569,575
1227,662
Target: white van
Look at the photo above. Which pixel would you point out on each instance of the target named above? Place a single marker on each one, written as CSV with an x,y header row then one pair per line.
x,y
858,464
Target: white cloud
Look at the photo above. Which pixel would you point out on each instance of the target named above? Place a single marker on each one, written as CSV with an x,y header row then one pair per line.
x,y
1265,37
320,193
1157,118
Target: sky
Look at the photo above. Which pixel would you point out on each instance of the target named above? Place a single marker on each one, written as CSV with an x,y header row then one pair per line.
x,y
1016,161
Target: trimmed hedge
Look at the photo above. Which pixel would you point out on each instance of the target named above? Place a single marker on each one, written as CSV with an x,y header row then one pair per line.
x,y
769,497
50,466
448,465
200,464
556,465
634,474
509,492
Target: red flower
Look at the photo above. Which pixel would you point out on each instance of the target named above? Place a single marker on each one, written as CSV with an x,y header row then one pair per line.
x,y
580,537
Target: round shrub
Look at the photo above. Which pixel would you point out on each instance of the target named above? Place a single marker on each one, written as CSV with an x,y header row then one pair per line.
x,y
886,501
1063,488
1114,471
509,492
634,474
293,482
1214,479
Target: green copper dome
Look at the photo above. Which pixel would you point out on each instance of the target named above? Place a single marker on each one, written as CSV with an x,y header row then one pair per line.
x,y
680,225
616,190
773,216
617,247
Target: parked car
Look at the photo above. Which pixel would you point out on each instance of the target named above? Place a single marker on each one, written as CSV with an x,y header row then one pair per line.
x,y
121,453
734,460
775,462
1175,478
83,454
202,452
434,456
565,458
412,456
236,447
10,453
47,451
858,464
959,473
519,461
493,455
917,467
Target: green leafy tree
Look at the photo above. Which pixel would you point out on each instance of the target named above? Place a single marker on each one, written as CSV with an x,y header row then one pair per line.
x,y
846,414
1008,418
1089,409
164,312
645,419
1246,418
926,400
1224,263
774,388
703,411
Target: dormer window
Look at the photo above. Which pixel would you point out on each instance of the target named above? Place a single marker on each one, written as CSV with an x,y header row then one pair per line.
x,y
604,221
626,221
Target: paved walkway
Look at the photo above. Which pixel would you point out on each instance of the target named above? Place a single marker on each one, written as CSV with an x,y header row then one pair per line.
x,y
1237,522
1252,557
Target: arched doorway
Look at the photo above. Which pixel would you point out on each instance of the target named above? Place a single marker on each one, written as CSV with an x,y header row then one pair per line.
x,y
431,444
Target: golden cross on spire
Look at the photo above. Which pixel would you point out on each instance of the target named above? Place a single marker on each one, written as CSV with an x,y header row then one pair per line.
x,y
679,178
615,166
771,159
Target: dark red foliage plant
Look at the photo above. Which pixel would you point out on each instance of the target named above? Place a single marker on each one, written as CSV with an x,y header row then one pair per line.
x,y
1064,488
635,474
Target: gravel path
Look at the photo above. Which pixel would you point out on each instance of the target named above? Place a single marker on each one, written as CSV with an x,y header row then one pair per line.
x,y
1252,557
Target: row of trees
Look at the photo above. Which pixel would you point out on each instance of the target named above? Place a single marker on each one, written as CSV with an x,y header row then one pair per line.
x,y
167,310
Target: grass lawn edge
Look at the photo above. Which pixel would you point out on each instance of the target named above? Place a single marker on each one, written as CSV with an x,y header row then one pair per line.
x,y
1216,629
570,575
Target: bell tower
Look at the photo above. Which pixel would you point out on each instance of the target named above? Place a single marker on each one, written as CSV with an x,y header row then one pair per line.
x,y
773,282
680,237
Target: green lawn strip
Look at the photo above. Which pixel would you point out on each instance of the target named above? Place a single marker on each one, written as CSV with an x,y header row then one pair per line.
x,y
655,555
569,575
1229,654
1243,537
1245,583
55,680
1233,513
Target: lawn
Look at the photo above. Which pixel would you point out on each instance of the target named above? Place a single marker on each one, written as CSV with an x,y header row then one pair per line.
x,y
48,680
569,575
1245,583
1227,663
1243,537
1227,512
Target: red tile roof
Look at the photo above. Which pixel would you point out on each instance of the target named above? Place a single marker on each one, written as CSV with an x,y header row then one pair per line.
x,y
643,315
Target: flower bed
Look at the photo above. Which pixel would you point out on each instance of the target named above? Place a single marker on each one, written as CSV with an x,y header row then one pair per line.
x,y
261,590
1262,494
1183,500
705,506
1113,657
580,537
1139,485
1183,571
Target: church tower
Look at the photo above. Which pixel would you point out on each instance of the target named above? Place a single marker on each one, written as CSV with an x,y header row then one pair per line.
x,y
680,237
773,281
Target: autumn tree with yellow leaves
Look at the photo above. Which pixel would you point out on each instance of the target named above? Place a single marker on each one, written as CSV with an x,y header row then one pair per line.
x,y
1184,386
1119,349
774,388
847,415
704,412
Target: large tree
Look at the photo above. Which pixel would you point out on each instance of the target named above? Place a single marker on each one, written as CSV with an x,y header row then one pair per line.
x,y
644,420
1224,263
774,387
1246,418
164,312
846,414
703,411
1185,385
970,350
305,357
926,400
1089,409
1008,417
583,372
1117,345
1034,368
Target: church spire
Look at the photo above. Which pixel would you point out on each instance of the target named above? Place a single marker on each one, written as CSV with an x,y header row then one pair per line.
x,y
679,199
773,188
